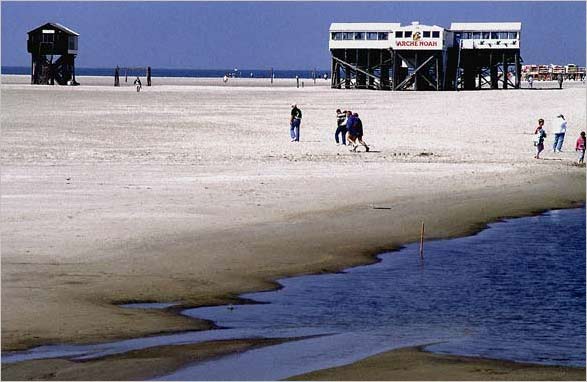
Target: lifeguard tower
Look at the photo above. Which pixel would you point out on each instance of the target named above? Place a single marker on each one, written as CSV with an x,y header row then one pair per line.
x,y
53,49
488,55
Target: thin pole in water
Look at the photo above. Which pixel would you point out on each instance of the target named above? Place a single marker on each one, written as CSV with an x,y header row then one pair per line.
x,y
422,242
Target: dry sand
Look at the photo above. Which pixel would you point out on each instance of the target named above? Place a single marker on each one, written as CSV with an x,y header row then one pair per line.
x,y
195,193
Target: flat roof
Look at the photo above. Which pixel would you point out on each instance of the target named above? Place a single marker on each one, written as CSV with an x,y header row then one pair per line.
x,y
486,27
375,27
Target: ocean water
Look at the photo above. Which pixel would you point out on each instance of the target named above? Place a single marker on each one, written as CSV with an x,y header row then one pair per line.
x,y
515,291
205,73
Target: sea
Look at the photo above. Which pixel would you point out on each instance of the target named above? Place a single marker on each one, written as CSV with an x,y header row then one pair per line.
x,y
514,291
196,73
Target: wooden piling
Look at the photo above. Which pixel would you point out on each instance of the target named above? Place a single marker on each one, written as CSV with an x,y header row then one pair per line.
x,y
422,242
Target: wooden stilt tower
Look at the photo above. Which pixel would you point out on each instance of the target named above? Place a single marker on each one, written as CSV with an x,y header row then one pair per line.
x,y
53,49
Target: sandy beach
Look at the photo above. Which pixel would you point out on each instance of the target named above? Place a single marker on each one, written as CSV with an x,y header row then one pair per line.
x,y
191,191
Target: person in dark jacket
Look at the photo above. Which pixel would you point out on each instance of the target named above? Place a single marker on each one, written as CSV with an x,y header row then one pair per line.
x,y
357,132
294,123
350,122
340,126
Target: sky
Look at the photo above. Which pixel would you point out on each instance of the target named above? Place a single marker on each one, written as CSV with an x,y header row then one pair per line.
x,y
259,35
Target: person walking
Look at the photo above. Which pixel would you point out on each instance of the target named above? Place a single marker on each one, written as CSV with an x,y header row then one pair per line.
x,y
350,121
139,84
294,123
560,81
561,128
580,147
357,132
340,127
530,80
539,136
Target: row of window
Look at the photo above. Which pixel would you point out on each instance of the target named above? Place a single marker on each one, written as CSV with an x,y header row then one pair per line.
x,y
359,35
487,35
49,38
425,34
379,35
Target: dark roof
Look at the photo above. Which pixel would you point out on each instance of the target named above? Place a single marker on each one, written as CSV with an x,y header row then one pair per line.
x,y
55,26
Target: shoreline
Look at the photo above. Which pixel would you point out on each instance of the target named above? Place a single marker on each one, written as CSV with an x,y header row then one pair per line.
x,y
417,364
364,256
371,257
400,364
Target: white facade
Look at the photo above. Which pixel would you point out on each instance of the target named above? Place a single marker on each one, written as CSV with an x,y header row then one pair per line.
x,y
421,37
487,35
361,35
388,35
424,37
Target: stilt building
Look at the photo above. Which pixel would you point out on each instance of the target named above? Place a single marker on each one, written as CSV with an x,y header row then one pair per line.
x,y
389,56
488,55
53,49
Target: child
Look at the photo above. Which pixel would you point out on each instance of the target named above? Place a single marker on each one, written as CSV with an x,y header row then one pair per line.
x,y
540,134
580,147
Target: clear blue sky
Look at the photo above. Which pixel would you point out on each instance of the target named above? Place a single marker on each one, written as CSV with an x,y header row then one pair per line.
x,y
258,35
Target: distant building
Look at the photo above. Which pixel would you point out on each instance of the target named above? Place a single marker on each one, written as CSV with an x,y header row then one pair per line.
x,y
53,49
425,57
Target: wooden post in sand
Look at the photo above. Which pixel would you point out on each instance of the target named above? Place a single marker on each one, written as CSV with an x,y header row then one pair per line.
x,y
422,242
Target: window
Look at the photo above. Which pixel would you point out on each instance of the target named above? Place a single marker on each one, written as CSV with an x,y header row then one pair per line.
x,y
399,34
72,43
494,35
512,35
359,35
502,35
485,35
435,34
476,35
382,35
426,34
336,35
48,37
371,35
347,35
408,34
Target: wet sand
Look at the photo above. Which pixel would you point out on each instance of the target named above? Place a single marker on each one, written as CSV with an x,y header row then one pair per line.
x,y
134,365
194,193
415,364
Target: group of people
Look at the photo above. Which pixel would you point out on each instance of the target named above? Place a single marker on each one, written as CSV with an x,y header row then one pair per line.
x,y
560,129
350,127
